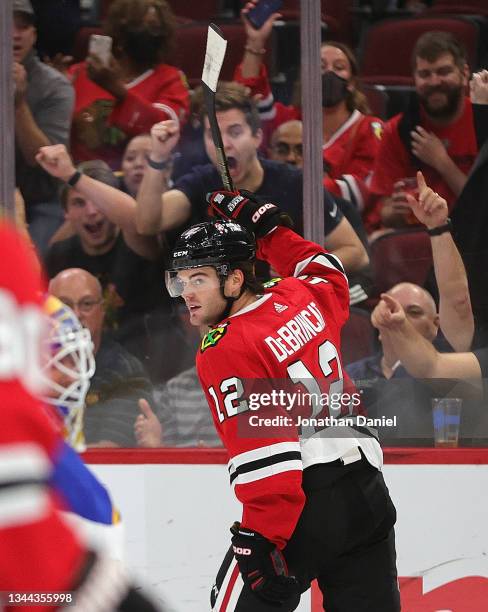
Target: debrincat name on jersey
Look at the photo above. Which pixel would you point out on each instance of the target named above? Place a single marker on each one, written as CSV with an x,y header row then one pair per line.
x,y
296,332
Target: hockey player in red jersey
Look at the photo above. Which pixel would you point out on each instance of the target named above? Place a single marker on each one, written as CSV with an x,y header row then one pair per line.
x,y
315,504
43,565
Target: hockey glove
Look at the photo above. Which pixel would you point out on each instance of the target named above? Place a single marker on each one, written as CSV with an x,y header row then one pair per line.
x,y
257,216
262,566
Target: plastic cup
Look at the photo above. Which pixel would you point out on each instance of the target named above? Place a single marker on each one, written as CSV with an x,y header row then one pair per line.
x,y
446,413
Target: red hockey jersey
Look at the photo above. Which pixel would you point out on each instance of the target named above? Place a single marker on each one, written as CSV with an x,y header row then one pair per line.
x,y
287,340
101,127
37,550
349,157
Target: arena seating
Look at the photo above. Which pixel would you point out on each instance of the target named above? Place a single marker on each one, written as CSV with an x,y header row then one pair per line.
x,y
402,255
388,46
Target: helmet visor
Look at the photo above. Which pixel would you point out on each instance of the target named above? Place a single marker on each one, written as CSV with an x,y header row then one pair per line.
x,y
194,280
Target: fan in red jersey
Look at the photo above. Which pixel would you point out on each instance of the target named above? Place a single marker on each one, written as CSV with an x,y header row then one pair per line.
x,y
315,504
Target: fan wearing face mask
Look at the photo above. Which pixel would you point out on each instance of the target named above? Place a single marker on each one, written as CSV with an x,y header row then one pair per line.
x,y
351,135
115,102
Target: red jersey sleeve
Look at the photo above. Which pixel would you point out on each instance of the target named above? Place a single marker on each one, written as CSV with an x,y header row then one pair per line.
x,y
258,84
265,473
271,113
136,114
291,255
38,552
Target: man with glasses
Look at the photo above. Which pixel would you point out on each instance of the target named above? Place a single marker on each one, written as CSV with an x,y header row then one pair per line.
x,y
286,146
286,143
120,383
82,292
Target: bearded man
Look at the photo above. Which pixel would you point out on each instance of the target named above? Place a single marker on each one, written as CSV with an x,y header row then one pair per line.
x,y
435,134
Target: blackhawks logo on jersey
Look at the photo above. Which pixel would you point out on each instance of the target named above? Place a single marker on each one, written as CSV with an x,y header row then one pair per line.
x,y
272,282
213,336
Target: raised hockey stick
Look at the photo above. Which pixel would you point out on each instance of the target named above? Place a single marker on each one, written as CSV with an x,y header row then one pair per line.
x,y
214,58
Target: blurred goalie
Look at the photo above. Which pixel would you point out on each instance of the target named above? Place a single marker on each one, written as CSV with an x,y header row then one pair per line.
x,y
68,365
39,552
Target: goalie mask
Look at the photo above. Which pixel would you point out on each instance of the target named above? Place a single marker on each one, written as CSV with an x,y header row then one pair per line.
x,y
69,366
220,244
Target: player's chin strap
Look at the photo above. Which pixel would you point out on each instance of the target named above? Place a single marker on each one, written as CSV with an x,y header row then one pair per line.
x,y
230,301
228,306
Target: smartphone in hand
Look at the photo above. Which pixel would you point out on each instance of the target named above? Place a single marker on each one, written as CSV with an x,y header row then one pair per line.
x,y
101,46
263,9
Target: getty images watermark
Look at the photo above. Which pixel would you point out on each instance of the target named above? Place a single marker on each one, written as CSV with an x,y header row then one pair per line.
x,y
282,407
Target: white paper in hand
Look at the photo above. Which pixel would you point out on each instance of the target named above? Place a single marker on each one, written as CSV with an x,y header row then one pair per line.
x,y
214,57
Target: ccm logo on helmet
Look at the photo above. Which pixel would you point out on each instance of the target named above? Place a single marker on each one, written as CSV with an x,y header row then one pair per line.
x,y
261,210
242,551
180,253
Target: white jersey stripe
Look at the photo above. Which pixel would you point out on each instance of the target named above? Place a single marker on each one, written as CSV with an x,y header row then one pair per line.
x,y
266,472
262,453
343,186
224,586
267,116
357,294
356,192
321,259
325,448
344,127
236,593
22,504
266,108
324,260
23,461
266,103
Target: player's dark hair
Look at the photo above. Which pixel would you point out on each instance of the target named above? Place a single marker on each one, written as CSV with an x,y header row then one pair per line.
x,y
431,45
250,281
124,15
96,169
230,95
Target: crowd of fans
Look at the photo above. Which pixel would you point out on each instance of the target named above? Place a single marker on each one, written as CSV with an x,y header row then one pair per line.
x,y
113,162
